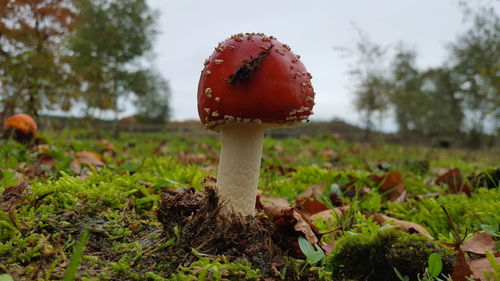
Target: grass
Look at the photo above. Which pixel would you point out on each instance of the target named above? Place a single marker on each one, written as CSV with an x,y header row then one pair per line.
x,y
117,202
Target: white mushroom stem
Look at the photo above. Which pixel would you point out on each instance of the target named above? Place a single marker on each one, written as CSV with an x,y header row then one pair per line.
x,y
239,166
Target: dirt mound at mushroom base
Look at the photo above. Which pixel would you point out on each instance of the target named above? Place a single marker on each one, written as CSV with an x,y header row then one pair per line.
x,y
195,221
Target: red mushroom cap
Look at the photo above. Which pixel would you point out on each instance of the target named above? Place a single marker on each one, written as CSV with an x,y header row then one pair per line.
x,y
254,78
22,123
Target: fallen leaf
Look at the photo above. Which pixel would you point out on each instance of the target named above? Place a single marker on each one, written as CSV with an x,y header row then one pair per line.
x,y
406,226
305,227
454,180
88,157
107,148
85,157
191,158
328,248
107,145
12,197
479,266
462,270
37,170
329,214
329,154
272,206
479,244
162,148
310,207
391,183
312,192
280,169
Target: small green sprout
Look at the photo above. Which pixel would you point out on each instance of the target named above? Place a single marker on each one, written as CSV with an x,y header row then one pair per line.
x,y
312,255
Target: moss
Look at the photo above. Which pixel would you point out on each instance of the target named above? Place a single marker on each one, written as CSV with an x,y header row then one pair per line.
x,y
365,257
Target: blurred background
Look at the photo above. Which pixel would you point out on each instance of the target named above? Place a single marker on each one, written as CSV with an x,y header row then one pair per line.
x,y
417,72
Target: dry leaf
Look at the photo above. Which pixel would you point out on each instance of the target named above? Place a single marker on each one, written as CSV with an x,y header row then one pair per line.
x,y
312,192
462,269
36,170
162,149
391,183
329,214
406,226
12,197
454,180
479,244
272,206
310,207
304,226
85,157
479,266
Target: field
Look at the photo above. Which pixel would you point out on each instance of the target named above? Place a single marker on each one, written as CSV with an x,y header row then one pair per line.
x,y
142,207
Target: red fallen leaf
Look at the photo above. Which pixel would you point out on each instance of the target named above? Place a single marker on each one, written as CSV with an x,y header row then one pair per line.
x,y
310,207
462,269
312,192
454,180
406,226
479,244
12,197
479,266
392,183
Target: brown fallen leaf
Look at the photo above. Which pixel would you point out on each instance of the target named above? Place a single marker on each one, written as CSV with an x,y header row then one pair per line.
x,y
86,157
312,192
329,214
107,145
106,148
271,206
280,169
307,228
162,148
406,226
329,154
191,158
36,170
479,266
462,270
479,244
392,183
455,181
12,197
310,207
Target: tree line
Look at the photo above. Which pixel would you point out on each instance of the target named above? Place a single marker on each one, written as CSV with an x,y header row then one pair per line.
x,y
459,99
59,54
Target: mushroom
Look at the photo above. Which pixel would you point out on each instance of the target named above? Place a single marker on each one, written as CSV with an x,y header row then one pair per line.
x,y
251,82
21,127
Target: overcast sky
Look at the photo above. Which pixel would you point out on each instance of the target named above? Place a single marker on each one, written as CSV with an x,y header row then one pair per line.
x,y
190,29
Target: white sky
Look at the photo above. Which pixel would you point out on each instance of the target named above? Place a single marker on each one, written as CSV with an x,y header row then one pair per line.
x,y
190,29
